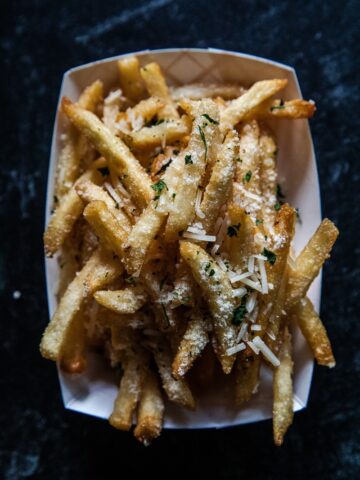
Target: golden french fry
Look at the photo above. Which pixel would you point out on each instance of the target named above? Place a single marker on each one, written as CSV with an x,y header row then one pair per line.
x,y
314,331
150,411
183,293
177,390
125,301
135,368
183,176
309,262
217,289
156,86
91,96
107,227
283,391
198,91
279,109
141,236
89,192
247,371
241,244
72,357
65,216
100,270
145,110
268,176
218,188
242,106
132,174
166,132
131,82
191,346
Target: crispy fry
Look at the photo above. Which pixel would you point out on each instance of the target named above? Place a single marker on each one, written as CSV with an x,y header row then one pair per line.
x,y
183,293
246,103
309,262
166,132
100,270
314,331
279,109
131,82
188,168
198,91
268,176
114,150
64,217
89,192
217,289
283,391
156,86
141,236
150,411
177,390
247,371
109,230
135,369
67,168
218,188
146,110
191,346
72,357
91,96
241,245
125,301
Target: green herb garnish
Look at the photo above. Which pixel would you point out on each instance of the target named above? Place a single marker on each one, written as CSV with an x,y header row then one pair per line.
x,y
211,120
271,257
212,272
232,230
202,135
258,221
281,106
159,187
240,312
277,206
207,266
188,160
247,177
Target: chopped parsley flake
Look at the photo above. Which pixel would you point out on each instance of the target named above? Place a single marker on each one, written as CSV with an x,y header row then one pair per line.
x,y
232,230
173,196
258,221
158,187
247,177
202,135
211,120
271,257
240,312
188,160
212,272
281,106
277,206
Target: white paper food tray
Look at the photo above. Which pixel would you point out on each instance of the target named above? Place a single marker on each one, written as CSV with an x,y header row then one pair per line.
x,y
94,391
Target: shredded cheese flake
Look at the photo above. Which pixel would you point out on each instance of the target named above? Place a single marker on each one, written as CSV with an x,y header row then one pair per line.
x,y
236,349
265,350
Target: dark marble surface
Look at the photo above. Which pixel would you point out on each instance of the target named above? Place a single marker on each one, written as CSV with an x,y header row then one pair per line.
x,y
39,41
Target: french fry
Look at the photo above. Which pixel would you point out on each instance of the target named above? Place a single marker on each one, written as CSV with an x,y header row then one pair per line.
x,y
191,346
125,301
132,174
100,270
314,331
166,132
241,245
177,390
107,227
150,411
146,110
130,79
91,96
277,315
198,91
279,109
141,236
246,371
309,262
156,87
72,357
218,188
188,169
246,103
268,176
183,293
134,365
90,192
65,216
283,391
217,289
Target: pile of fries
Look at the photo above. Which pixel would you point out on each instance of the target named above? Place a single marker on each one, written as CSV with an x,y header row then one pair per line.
x,y
174,244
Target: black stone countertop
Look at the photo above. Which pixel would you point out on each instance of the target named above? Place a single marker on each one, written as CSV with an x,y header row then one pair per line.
x,y
40,40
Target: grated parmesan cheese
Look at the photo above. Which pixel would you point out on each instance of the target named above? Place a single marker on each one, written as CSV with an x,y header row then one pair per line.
x,y
200,237
265,350
236,349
